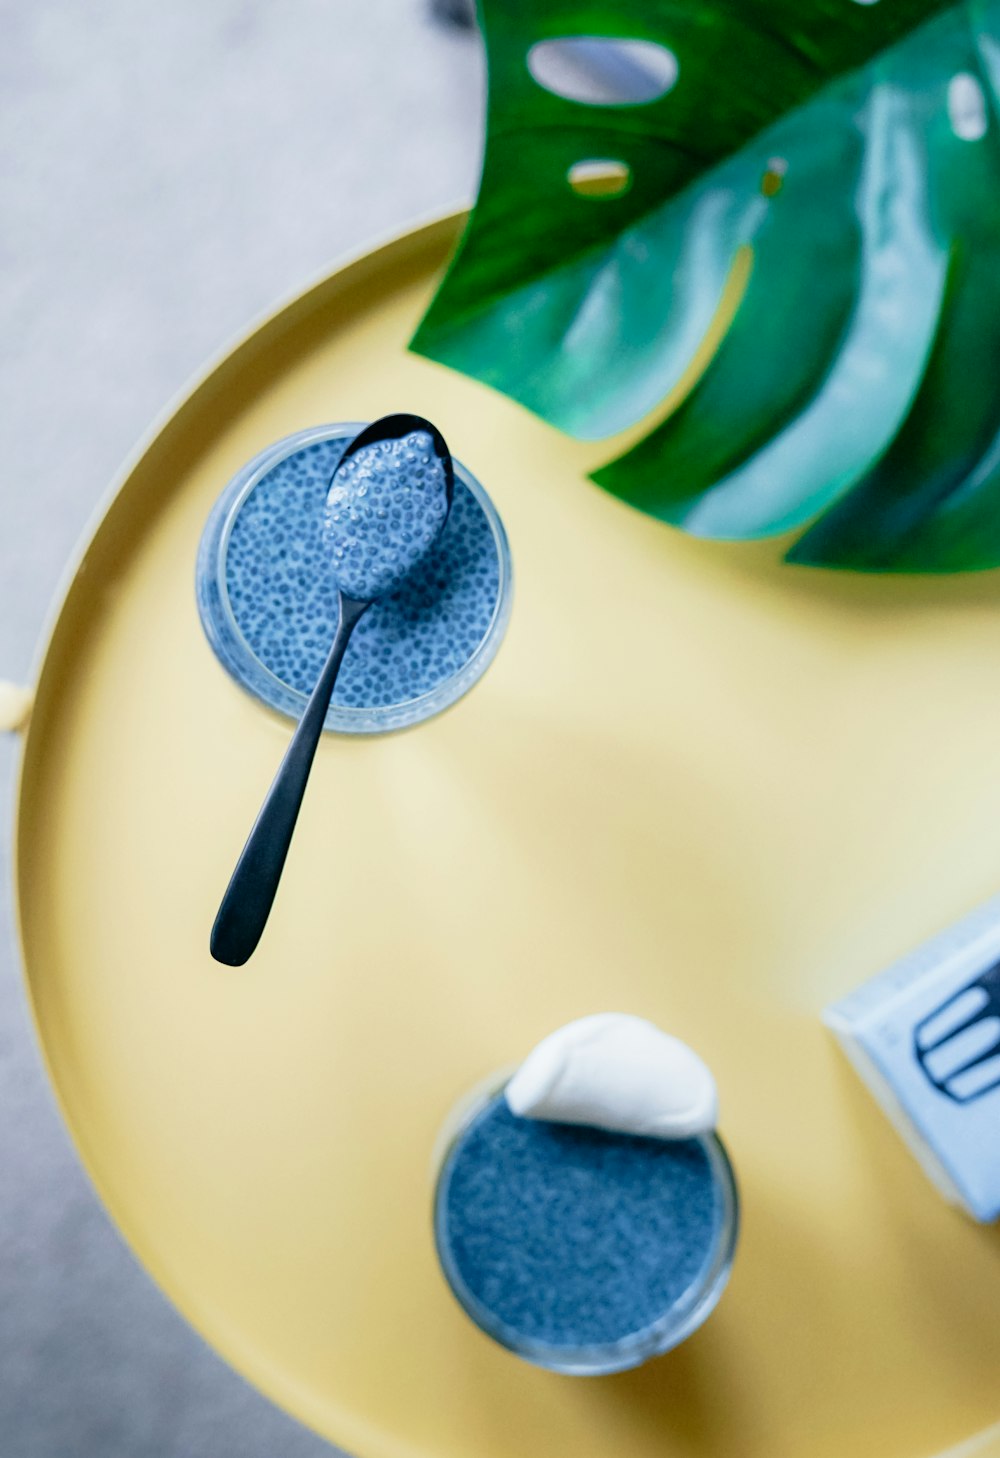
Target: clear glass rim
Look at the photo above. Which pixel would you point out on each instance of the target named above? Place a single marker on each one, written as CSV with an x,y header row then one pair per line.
x,y
344,718
633,1349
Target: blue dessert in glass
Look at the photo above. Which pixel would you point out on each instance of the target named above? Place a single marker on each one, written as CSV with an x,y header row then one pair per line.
x,y
268,603
581,1250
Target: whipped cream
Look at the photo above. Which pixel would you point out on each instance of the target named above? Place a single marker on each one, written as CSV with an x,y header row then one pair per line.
x,y
617,1072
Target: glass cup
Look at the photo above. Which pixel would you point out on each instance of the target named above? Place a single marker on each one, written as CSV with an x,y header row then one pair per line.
x,y
265,679
685,1312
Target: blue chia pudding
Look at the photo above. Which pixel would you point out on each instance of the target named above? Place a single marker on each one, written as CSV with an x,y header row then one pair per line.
x,y
583,1251
267,592
385,509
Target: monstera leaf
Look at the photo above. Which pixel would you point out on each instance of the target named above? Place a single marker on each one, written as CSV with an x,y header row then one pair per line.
x,y
797,294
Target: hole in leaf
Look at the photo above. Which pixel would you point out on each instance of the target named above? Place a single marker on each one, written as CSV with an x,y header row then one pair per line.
x,y
967,107
603,72
774,176
600,177
866,2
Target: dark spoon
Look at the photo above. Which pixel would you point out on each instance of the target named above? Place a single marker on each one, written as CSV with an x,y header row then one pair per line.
x,y
369,558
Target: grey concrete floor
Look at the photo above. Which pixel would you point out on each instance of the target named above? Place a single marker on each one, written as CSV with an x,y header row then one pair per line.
x,y
167,171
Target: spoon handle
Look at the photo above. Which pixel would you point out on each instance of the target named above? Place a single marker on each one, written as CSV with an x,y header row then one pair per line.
x,y
249,896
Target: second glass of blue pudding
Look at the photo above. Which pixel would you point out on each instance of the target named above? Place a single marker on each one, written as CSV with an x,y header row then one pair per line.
x,y
583,1251
268,602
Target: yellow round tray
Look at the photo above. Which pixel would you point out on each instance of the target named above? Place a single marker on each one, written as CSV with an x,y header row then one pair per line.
x,y
695,785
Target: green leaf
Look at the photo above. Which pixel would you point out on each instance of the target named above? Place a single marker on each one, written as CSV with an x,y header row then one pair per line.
x,y
857,387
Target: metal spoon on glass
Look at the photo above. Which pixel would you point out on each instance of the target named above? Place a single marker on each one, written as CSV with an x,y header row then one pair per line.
x,y
388,501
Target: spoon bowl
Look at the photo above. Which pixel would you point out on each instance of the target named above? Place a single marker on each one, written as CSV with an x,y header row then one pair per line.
x,y
388,501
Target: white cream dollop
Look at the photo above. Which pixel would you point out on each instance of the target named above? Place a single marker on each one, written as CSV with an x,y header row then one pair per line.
x,y
617,1072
